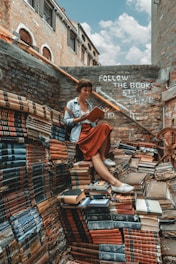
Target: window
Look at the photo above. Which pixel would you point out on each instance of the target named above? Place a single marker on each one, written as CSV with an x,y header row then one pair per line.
x,y
47,53
72,41
32,3
83,53
88,60
48,13
25,36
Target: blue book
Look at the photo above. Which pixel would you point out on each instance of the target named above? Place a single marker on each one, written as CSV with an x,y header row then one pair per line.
x,y
112,248
99,202
103,255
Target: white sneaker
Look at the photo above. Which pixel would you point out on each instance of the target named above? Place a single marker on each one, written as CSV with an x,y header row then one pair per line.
x,y
109,162
123,188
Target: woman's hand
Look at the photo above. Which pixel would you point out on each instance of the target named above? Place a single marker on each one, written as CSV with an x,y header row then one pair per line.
x,y
81,118
84,117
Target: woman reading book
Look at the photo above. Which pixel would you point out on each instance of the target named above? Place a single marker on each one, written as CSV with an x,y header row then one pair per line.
x,y
93,139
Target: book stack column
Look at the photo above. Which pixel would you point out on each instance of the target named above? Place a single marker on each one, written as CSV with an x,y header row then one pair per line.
x,y
25,184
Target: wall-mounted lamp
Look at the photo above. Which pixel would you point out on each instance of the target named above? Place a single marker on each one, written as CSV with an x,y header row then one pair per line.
x,y
157,2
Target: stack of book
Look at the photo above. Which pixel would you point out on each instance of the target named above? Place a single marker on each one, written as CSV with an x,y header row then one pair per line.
x,y
142,246
106,234
39,110
13,202
97,213
80,174
59,178
149,222
28,230
12,155
112,252
56,239
147,166
98,190
9,246
71,149
58,132
36,153
74,225
122,203
38,182
165,171
13,101
12,125
86,252
37,127
149,212
13,179
128,149
58,150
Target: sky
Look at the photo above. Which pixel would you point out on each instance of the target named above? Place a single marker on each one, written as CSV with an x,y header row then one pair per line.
x,y
119,29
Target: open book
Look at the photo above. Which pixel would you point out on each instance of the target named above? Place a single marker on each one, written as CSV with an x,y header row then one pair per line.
x,y
95,114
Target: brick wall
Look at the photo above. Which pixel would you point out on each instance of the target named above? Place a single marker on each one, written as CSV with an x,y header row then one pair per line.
x,y
135,88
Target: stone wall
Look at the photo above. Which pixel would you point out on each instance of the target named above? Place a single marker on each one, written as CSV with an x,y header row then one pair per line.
x,y
134,89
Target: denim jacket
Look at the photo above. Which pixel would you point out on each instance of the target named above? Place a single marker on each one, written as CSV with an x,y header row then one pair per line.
x,y
75,112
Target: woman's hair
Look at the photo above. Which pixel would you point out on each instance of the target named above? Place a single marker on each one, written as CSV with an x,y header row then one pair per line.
x,y
83,83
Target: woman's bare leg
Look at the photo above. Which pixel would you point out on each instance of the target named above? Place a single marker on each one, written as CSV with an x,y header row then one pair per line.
x,y
103,171
103,148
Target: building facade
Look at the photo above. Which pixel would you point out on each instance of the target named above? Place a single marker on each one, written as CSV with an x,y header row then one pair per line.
x,y
44,26
164,54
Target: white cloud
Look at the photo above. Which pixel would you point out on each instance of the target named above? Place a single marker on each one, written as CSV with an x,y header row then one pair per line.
x,y
124,40
141,5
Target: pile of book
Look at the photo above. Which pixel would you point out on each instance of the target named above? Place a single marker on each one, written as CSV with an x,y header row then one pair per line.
x,y
128,149
12,155
27,228
165,171
40,111
74,225
59,178
37,127
149,211
81,174
9,246
142,246
58,132
71,149
123,203
36,153
14,102
38,182
12,125
85,252
57,150
55,237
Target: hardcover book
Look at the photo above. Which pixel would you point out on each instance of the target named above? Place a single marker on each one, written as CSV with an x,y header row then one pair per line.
x,y
99,202
72,196
147,206
96,113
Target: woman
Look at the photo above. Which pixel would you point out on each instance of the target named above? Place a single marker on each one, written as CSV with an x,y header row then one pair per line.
x,y
92,139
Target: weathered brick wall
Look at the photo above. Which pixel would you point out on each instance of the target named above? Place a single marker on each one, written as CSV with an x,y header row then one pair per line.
x,y
164,42
135,88
22,74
